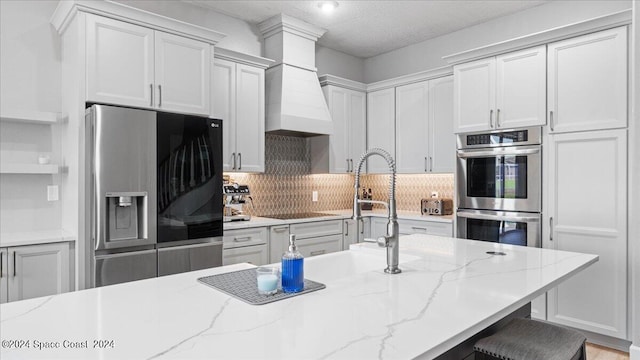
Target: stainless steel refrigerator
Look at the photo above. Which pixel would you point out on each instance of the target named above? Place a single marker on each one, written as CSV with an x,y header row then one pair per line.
x,y
156,201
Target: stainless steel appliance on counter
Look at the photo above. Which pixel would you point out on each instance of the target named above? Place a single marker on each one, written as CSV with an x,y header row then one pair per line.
x,y
154,189
499,186
235,198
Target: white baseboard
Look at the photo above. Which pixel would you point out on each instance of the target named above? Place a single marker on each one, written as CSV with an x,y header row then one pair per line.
x,y
634,352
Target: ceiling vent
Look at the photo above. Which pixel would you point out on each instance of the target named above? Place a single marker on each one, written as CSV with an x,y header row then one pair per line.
x,y
295,104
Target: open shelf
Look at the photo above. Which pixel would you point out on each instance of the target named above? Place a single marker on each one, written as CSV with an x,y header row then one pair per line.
x,y
27,116
29,168
35,237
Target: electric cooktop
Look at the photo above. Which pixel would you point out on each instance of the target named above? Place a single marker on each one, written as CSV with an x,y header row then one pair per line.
x,y
305,215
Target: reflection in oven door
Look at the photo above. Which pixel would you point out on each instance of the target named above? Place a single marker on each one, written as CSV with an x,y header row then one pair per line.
x,y
504,227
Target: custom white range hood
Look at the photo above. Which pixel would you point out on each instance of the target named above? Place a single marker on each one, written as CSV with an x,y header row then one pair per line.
x,y
295,104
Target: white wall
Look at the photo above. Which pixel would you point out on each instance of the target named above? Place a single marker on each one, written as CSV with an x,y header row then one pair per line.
x,y
329,61
428,54
241,36
29,80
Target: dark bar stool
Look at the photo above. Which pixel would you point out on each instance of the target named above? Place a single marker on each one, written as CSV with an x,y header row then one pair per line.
x,y
525,339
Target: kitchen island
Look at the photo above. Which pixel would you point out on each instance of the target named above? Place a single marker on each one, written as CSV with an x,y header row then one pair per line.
x,y
449,290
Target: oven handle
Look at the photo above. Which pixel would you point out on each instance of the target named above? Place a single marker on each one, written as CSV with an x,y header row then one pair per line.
x,y
498,152
481,216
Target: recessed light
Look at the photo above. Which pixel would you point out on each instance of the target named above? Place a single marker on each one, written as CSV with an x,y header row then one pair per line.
x,y
328,6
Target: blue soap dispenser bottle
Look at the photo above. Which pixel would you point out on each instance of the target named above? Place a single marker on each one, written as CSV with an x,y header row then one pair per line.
x,y
292,268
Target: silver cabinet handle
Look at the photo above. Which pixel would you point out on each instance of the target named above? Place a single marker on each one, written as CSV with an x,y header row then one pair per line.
x,y
430,164
551,228
498,118
491,118
317,252
419,228
242,239
159,95
346,232
14,264
425,164
280,229
362,227
1,265
234,161
551,120
239,161
348,167
151,93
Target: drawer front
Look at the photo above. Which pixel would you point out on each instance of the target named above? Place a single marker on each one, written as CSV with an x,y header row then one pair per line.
x,y
316,228
245,237
256,255
408,227
320,245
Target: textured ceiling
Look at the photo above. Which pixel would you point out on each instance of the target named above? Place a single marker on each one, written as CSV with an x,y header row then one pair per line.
x,y
369,28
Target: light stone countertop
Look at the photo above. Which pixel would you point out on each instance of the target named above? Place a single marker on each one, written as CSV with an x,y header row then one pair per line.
x,y
257,221
449,289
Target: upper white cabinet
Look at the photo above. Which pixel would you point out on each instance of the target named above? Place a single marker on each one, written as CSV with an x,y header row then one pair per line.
x,y
133,65
578,164
501,92
381,127
238,99
588,82
424,127
347,142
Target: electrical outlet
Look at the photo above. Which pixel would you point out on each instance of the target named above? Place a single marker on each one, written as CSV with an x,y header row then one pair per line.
x,y
52,192
314,196
434,194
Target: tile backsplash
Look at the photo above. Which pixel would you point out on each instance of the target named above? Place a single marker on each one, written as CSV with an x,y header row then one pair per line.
x,y
286,186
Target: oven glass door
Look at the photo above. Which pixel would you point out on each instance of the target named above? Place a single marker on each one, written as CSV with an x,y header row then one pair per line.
x,y
189,170
500,179
500,226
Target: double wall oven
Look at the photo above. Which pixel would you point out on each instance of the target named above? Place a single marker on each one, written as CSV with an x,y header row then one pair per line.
x,y
499,185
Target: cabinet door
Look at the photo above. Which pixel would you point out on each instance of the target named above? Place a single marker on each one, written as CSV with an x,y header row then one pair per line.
x,y
442,140
38,270
278,242
588,82
250,118
412,128
350,234
182,74
378,227
474,95
381,127
364,229
522,88
256,255
580,164
119,62
357,127
338,103
224,107
4,275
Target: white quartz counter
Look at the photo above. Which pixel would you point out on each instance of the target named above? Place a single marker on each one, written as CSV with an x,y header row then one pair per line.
x,y
449,289
257,221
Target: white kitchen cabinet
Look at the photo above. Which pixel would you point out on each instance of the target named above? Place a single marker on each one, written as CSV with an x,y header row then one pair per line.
x,y
378,227
578,164
425,141
34,270
588,82
246,245
4,275
381,127
347,142
182,75
257,255
412,128
136,66
506,91
278,242
238,99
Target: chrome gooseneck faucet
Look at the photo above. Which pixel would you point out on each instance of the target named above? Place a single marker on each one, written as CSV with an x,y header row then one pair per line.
x,y
390,241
